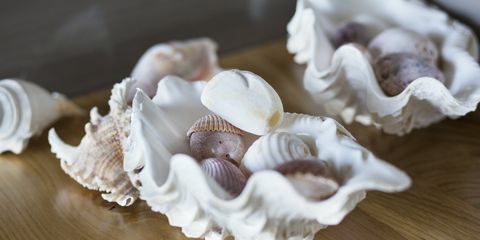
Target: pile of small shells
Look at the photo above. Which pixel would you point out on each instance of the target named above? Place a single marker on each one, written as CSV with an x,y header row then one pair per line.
x,y
399,56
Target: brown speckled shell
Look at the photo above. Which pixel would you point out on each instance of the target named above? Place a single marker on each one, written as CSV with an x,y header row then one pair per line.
x,y
396,71
317,168
213,123
227,175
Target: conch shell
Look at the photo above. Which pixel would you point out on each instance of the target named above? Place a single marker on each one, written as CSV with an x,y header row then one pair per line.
x,y
25,110
343,83
193,59
97,163
274,149
173,183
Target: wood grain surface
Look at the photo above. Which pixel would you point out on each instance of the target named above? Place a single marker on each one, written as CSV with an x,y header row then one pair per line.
x,y
39,201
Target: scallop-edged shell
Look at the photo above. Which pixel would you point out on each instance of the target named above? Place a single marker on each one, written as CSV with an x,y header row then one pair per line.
x,y
193,59
173,183
213,123
25,110
97,163
343,83
274,149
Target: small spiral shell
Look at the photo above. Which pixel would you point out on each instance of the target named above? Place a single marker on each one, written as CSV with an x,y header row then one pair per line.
x,y
274,149
227,175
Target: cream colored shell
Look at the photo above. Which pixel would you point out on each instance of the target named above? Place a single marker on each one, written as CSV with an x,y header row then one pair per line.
x,y
97,163
174,184
25,110
245,100
342,81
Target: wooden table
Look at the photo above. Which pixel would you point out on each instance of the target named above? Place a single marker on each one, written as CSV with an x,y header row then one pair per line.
x,y
39,201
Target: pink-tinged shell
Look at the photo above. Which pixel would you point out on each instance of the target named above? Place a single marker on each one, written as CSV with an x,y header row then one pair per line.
x,y
351,32
213,137
227,175
97,163
311,178
396,71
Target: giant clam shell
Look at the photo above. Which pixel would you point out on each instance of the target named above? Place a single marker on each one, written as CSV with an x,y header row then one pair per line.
x,y
25,110
174,184
342,81
274,149
97,163
193,59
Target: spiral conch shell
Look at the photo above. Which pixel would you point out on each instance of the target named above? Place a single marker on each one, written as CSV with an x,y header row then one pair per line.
x,y
245,100
97,163
274,149
193,59
25,110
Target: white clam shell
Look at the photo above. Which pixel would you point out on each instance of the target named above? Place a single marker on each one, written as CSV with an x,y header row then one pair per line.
x,y
245,100
97,163
342,81
274,149
193,59
174,184
25,110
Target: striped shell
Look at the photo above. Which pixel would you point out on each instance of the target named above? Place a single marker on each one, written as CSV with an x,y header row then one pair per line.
x,y
351,32
213,137
311,178
97,163
213,123
274,149
227,175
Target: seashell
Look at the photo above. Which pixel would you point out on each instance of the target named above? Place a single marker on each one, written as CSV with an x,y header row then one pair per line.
x,y
311,178
175,185
396,71
97,163
399,40
193,59
227,175
351,32
274,149
25,110
342,81
245,100
213,137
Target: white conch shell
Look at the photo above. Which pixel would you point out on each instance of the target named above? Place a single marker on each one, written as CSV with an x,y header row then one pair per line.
x,y
342,81
25,110
245,100
193,59
97,163
175,185
274,149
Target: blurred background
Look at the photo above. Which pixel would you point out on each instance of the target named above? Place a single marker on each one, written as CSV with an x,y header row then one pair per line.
x,y
76,47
